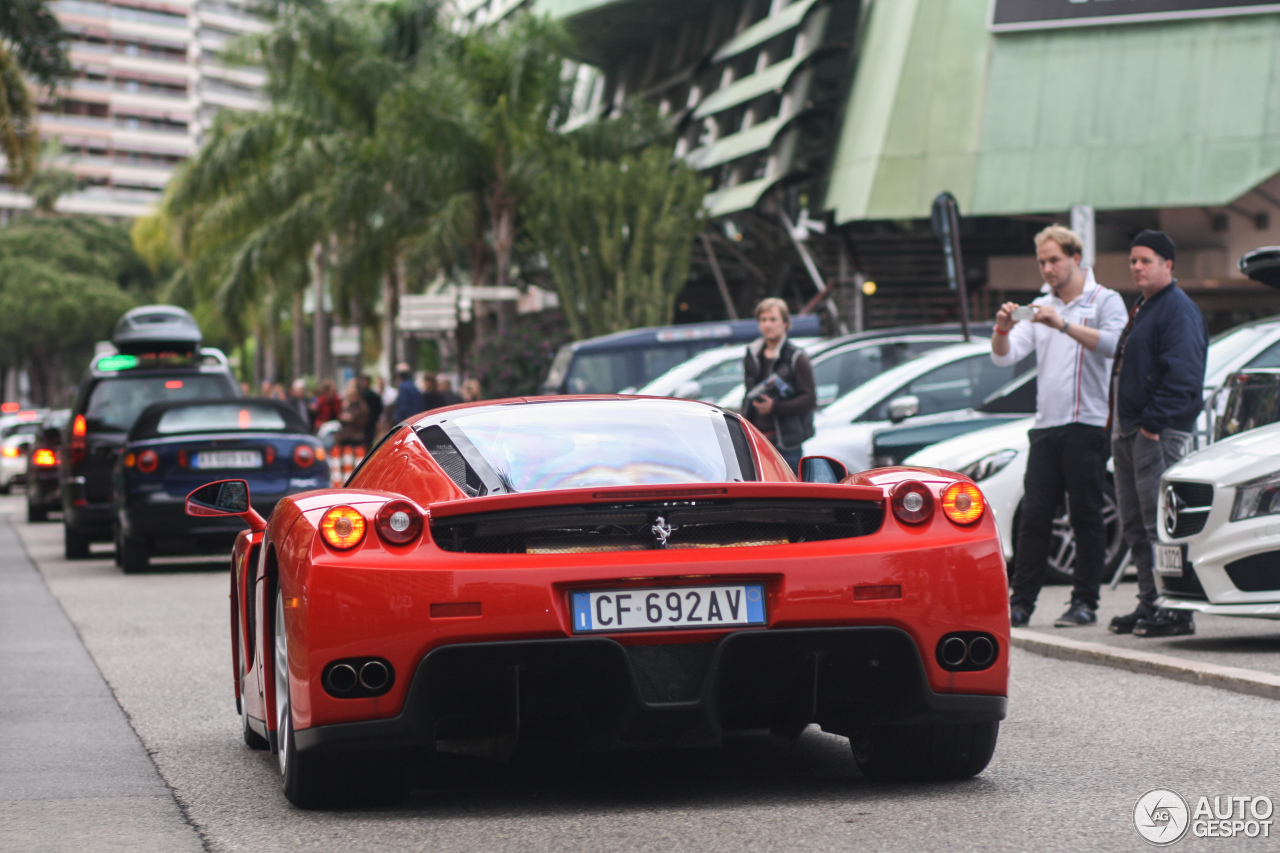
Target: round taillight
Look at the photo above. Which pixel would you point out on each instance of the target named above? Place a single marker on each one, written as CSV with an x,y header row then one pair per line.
x,y
304,455
912,502
342,527
148,461
963,503
399,522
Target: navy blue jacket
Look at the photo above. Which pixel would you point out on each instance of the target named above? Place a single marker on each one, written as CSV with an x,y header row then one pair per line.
x,y
409,401
1162,372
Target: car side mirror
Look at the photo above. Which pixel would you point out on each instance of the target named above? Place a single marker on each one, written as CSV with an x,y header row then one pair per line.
x,y
225,497
901,408
821,469
691,390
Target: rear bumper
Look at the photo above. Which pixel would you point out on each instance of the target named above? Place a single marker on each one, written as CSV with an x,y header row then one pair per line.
x,y
594,693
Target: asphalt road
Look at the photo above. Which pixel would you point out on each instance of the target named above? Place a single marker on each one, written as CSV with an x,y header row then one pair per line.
x,y
1081,745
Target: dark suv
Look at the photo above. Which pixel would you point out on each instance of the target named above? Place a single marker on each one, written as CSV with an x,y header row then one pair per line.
x,y
158,359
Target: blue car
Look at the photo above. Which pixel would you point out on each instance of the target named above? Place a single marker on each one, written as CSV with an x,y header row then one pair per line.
x,y
175,447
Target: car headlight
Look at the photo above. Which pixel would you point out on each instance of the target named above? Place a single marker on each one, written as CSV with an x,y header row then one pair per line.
x,y
989,465
1257,497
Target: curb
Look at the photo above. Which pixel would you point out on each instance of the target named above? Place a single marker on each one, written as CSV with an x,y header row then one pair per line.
x,y
1235,679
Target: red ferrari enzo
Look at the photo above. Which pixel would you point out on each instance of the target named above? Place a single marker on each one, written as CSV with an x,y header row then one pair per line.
x,y
611,573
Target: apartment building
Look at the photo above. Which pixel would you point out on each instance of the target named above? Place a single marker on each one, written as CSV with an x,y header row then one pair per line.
x,y
149,77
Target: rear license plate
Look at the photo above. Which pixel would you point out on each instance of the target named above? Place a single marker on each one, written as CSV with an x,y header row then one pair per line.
x,y
1169,559
228,459
672,607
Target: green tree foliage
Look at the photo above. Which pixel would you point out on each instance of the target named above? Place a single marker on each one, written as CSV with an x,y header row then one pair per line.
x,y
32,42
397,152
514,364
617,235
63,283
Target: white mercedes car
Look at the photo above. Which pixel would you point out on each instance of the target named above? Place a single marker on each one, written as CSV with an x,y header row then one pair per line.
x,y
1220,528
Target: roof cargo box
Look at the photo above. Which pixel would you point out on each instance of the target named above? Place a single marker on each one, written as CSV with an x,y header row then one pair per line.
x,y
156,328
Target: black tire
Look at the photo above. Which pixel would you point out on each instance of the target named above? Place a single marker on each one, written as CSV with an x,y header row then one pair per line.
x,y
923,753
135,554
313,781
36,513
75,544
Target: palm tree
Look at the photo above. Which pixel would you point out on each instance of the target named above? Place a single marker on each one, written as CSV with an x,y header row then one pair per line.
x,y
491,105
271,193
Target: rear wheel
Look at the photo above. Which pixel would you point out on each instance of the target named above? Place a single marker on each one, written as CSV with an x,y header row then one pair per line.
x,y
36,513
135,554
923,753
75,544
318,780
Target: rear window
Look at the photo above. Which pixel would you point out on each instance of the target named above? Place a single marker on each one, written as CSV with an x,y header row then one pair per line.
x,y
218,418
114,404
543,447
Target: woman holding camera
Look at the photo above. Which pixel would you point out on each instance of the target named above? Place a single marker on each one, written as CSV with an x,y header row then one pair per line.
x,y
781,394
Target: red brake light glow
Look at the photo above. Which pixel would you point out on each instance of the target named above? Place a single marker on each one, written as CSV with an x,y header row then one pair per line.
x,y
11,452
245,418
44,458
148,461
399,522
342,527
269,454
9,408
963,503
173,384
80,426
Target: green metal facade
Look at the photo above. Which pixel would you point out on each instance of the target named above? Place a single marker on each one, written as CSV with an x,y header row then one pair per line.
x,y
1129,116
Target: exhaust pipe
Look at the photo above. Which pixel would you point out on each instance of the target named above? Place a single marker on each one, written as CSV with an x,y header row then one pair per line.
x,y
953,651
981,651
341,678
374,675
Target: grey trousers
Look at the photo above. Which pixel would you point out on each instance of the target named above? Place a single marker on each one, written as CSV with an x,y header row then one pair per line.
x,y
1139,462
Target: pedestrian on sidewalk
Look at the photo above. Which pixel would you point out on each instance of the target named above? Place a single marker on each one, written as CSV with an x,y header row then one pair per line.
x,y
782,394
409,401
1158,391
1074,332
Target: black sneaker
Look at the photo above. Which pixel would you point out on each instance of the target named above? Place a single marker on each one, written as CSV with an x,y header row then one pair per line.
x,y
1125,624
1166,623
1019,615
1077,614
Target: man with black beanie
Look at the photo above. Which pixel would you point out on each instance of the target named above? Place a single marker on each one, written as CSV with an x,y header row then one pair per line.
x,y
1157,392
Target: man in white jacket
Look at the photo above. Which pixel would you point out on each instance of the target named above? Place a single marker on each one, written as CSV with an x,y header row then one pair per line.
x,y
1073,331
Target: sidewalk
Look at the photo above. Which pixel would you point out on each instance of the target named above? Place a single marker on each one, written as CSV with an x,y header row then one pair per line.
x,y
73,774
1233,653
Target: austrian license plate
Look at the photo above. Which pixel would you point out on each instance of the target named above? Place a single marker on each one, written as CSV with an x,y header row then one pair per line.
x,y
1169,559
228,459
664,609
